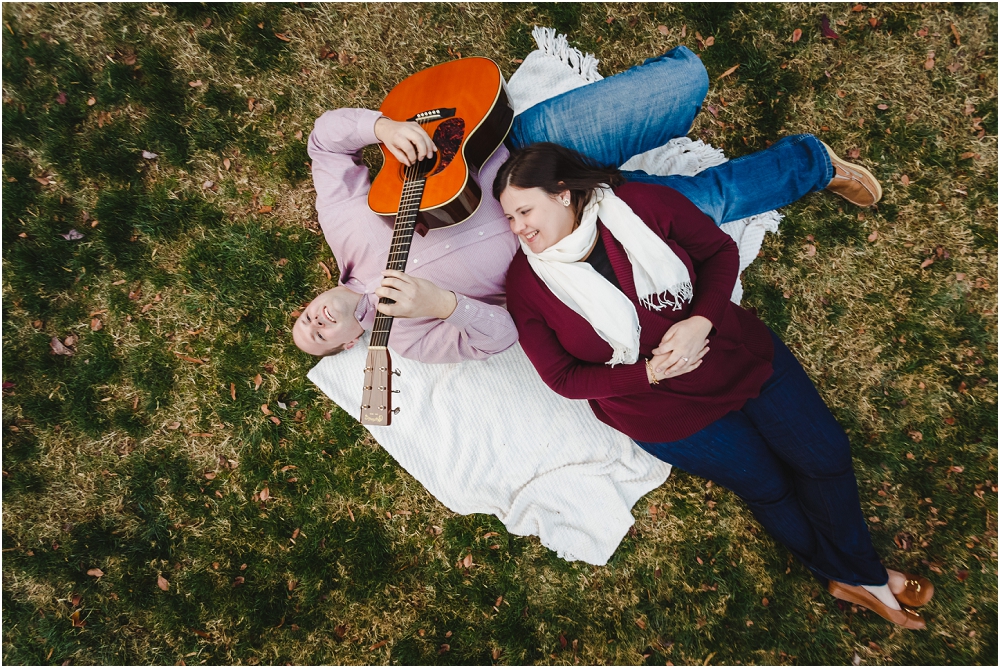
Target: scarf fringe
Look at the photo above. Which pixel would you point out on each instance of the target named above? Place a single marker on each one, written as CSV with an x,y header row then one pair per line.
x,y
552,44
674,298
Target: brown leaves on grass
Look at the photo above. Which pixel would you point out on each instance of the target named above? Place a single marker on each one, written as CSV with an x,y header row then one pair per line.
x,y
796,35
858,8
283,37
257,380
264,409
162,583
904,179
903,541
265,494
728,72
824,27
381,643
663,30
58,348
326,271
95,573
188,358
954,33
96,325
76,620
929,63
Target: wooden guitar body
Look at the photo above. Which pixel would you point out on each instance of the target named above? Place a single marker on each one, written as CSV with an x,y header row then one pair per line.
x,y
471,88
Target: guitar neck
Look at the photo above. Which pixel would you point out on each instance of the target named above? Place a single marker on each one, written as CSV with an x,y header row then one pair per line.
x,y
399,252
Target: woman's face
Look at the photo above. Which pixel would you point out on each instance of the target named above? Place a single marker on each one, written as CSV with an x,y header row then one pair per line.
x,y
540,219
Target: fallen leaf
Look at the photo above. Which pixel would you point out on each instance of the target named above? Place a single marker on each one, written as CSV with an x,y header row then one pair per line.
x,y
968,155
96,325
250,102
264,409
257,380
58,348
713,110
709,41
72,235
873,22
187,358
283,37
796,35
883,107
265,494
44,180
954,33
663,30
824,26
445,647
641,623
227,163
904,179
496,653
75,619
298,135
873,236
926,263
173,426
292,584
915,435
76,600
810,250
208,185
275,419
210,475
854,153
282,262
295,534
326,271
344,59
149,155
238,580
232,390
265,209
91,101
467,561
858,8
61,98
162,583
95,572
194,84
929,63
954,67
727,72
962,574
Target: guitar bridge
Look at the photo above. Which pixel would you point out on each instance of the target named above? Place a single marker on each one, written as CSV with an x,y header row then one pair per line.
x,y
433,115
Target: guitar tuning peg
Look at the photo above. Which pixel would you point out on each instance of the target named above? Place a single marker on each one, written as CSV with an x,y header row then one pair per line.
x,y
395,391
395,411
396,372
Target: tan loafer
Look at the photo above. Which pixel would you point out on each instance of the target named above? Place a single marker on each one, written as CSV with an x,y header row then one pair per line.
x,y
853,182
908,619
918,592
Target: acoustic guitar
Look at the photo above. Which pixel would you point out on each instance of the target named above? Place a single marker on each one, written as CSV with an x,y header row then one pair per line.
x,y
463,106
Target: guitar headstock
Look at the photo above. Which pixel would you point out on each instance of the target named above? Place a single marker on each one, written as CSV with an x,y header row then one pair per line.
x,y
375,400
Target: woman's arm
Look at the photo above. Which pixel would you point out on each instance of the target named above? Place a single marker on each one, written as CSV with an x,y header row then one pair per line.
x,y
561,371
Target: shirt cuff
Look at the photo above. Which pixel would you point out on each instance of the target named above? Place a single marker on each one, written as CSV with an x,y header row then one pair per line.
x,y
466,310
630,378
366,126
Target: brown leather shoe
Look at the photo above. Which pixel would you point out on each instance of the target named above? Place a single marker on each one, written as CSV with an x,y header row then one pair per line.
x,y
853,182
918,592
861,596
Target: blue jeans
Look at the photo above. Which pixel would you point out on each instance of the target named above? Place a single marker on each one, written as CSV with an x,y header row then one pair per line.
x,y
784,454
648,105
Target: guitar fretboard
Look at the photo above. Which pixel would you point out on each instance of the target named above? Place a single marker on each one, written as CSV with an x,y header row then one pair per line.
x,y
399,251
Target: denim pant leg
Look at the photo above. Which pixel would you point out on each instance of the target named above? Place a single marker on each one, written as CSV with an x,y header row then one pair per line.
x,y
804,435
732,453
624,115
779,175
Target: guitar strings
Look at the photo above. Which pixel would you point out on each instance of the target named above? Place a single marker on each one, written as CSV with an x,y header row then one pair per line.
x,y
413,191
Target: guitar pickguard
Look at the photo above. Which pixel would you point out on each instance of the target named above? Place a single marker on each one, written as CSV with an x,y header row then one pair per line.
x,y
448,139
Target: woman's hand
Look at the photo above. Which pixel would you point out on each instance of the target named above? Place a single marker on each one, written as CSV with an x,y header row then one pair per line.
x,y
682,348
407,141
414,297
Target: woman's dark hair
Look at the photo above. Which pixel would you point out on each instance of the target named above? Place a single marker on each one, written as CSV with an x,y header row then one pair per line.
x,y
555,168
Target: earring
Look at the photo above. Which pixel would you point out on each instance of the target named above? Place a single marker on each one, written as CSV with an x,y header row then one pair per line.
x,y
565,202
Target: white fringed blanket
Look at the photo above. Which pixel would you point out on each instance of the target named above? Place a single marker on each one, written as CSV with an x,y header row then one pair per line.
x,y
490,437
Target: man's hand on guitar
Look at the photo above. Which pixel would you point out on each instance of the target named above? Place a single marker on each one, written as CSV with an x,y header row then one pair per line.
x,y
407,141
414,297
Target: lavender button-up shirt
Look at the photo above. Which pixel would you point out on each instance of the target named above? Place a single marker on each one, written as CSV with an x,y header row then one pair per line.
x,y
470,259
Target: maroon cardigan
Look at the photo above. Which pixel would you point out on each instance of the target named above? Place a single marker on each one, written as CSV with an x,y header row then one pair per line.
x,y
571,357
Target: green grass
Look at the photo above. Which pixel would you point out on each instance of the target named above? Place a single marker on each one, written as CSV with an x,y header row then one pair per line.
x,y
132,455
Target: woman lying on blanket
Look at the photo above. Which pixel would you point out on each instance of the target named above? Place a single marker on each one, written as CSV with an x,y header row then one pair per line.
x,y
621,295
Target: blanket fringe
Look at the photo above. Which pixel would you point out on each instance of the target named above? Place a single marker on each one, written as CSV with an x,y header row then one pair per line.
x,y
583,64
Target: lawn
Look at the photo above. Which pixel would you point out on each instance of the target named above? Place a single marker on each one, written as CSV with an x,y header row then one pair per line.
x,y
159,230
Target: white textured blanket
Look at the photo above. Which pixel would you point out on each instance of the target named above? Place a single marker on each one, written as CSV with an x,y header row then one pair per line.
x,y
490,437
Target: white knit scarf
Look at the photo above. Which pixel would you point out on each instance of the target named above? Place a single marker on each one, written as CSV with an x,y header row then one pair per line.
x,y
656,269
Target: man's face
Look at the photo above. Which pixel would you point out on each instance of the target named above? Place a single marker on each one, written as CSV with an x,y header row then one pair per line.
x,y
327,325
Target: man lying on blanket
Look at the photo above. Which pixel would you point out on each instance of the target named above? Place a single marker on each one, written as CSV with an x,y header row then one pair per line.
x,y
450,301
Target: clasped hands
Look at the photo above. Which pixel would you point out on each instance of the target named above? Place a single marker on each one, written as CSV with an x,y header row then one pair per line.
x,y
681,349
